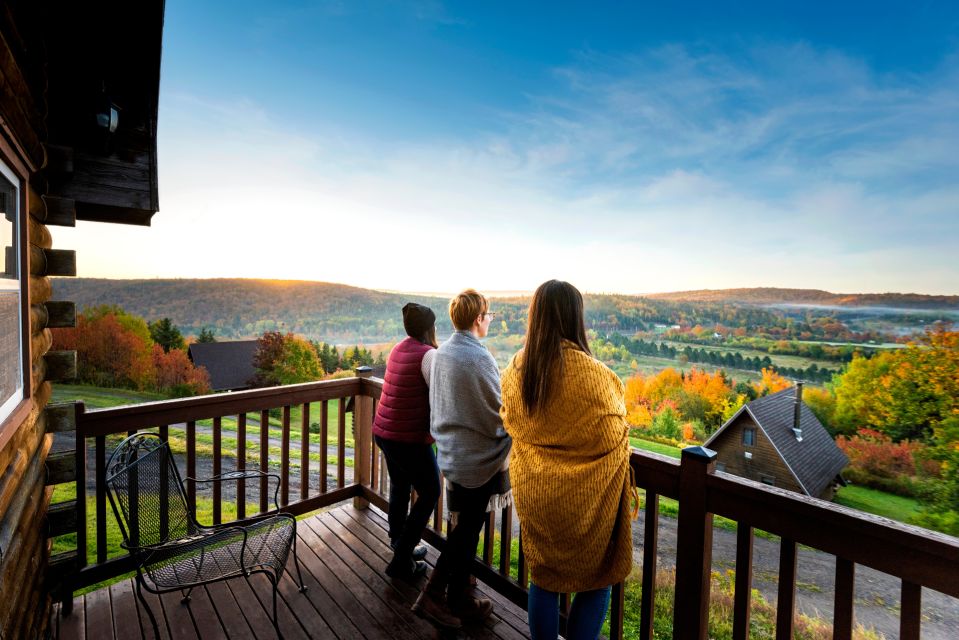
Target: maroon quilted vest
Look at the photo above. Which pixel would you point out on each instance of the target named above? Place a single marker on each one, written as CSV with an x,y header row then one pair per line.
x,y
403,412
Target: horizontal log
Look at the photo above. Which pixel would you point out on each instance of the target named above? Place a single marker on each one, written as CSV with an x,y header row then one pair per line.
x,y
53,314
60,366
61,467
61,314
41,289
40,343
52,262
10,481
61,518
38,234
61,212
60,417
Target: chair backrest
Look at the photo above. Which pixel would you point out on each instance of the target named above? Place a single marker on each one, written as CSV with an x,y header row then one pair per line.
x,y
146,492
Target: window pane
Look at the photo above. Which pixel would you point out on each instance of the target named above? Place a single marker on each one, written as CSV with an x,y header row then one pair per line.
x,y
10,364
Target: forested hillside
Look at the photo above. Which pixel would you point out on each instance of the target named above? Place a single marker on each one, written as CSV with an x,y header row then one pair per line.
x,y
777,296
341,314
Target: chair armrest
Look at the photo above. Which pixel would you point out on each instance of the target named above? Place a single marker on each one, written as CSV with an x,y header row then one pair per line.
x,y
246,474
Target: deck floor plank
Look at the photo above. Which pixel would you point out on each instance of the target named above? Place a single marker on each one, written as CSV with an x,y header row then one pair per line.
x,y
353,589
178,617
73,626
376,552
145,626
256,615
343,555
234,623
514,625
126,621
205,619
396,594
369,627
321,601
99,613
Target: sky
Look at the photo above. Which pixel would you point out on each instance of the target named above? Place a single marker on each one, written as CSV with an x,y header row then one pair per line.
x,y
629,147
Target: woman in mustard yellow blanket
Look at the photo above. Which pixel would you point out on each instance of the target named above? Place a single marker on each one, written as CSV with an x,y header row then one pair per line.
x,y
570,466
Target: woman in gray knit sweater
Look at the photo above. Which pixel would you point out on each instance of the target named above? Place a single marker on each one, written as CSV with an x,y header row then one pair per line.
x,y
472,451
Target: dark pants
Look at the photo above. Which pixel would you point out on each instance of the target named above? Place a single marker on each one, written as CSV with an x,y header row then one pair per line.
x,y
455,563
411,466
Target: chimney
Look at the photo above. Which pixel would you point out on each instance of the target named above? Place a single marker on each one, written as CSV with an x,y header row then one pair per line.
x,y
797,409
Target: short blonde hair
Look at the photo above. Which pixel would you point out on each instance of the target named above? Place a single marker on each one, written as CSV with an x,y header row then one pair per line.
x,y
465,306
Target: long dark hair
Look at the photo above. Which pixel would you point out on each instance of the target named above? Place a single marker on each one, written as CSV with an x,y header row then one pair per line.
x,y
555,314
429,337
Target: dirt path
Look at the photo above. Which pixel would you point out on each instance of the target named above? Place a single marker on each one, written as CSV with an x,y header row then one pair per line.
x,y
876,596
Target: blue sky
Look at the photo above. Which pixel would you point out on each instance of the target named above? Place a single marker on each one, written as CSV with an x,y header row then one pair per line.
x,y
624,146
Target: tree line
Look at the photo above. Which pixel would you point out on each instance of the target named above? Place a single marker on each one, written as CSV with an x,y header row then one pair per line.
x,y
118,349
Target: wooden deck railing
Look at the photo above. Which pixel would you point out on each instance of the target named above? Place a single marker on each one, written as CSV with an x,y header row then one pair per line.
x,y
919,558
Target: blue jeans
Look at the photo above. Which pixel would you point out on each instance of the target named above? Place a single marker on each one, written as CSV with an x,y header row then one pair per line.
x,y
586,614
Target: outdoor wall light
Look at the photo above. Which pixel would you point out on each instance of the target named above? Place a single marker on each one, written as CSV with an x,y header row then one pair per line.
x,y
109,117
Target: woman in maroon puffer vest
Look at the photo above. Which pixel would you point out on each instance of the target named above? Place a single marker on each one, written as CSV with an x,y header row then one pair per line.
x,y
402,431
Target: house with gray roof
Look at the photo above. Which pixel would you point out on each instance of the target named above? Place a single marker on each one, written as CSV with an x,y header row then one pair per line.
x,y
230,364
778,440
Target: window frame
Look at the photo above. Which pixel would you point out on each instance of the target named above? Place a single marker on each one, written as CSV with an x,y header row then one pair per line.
x,y
20,403
752,432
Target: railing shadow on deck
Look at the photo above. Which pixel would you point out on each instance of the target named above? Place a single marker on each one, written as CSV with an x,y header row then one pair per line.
x,y
918,557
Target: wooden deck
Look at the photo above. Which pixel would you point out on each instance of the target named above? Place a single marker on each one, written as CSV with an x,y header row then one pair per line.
x,y
343,553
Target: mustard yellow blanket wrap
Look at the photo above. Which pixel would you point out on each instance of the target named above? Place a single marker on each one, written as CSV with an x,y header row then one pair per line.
x,y
571,476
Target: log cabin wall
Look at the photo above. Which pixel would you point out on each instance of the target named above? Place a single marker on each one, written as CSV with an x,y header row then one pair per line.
x,y
24,438
61,66
766,461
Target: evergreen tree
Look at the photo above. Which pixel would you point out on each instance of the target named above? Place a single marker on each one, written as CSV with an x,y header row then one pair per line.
x,y
206,336
165,334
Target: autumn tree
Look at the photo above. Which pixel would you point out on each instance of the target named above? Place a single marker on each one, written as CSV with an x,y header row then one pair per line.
x,y
176,375
298,362
269,351
770,382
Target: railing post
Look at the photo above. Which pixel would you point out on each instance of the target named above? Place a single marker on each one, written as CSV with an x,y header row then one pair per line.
x,y
694,547
362,438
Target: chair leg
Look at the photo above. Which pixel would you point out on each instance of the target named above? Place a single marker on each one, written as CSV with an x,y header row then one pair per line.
x,y
186,595
146,605
276,618
296,561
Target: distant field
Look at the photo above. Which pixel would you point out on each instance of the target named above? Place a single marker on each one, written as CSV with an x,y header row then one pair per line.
x,y
777,360
649,365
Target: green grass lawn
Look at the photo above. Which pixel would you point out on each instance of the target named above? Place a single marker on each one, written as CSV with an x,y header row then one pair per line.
x,y
878,503
656,447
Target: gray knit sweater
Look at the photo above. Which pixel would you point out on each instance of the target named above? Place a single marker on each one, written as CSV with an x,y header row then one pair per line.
x,y
471,443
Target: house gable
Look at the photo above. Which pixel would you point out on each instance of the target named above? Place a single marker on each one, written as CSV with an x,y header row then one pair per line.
x,y
766,462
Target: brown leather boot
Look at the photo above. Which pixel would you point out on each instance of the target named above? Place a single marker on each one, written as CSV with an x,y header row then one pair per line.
x,y
472,609
431,604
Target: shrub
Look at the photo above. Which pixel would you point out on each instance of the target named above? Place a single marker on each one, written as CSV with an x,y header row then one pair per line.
x,y
875,461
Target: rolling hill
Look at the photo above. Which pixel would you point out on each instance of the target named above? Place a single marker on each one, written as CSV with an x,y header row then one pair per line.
x,y
241,308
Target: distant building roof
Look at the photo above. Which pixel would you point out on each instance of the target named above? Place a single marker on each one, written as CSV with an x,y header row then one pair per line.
x,y
230,364
815,459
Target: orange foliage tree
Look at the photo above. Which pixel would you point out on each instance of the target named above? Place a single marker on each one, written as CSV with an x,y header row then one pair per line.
x,y
114,349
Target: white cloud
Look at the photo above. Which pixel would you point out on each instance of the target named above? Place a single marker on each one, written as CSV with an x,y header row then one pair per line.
x,y
673,169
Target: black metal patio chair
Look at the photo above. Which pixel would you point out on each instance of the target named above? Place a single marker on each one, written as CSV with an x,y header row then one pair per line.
x,y
174,552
